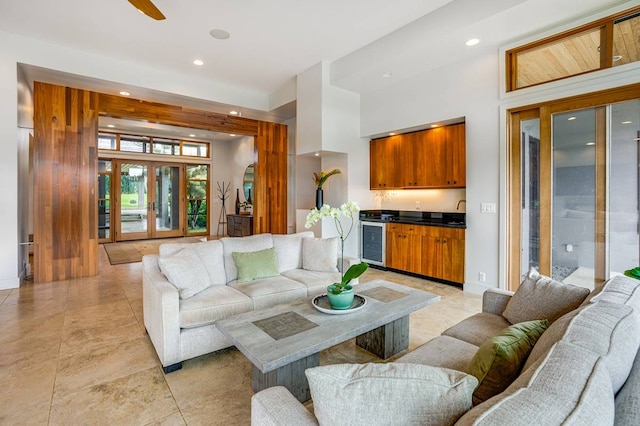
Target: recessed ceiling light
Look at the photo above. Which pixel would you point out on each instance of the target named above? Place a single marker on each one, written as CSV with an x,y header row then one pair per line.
x,y
192,135
198,62
472,42
125,93
434,125
232,134
317,154
392,134
387,74
616,58
627,122
571,118
234,112
219,34
591,143
111,126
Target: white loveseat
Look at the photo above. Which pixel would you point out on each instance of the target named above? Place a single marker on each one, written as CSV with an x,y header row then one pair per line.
x,y
187,288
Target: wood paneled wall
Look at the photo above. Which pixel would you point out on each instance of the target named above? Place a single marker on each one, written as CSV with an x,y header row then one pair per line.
x,y
65,171
270,208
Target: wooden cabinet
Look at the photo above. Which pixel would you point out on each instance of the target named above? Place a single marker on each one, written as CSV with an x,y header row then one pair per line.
x,y
404,247
433,158
382,163
239,225
443,253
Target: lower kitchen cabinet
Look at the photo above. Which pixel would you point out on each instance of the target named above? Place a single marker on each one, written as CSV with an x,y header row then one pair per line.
x,y
404,247
443,253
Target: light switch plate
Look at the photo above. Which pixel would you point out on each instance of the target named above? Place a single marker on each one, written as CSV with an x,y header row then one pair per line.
x,y
488,207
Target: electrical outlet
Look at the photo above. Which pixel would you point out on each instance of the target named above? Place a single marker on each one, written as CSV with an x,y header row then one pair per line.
x,y
482,277
417,205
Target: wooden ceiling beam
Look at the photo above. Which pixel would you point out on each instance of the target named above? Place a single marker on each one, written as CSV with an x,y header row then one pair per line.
x,y
123,107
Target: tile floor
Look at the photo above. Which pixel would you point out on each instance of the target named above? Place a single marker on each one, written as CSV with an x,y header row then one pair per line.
x,y
75,352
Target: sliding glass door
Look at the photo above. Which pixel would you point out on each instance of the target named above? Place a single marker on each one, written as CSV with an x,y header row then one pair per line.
x,y
574,173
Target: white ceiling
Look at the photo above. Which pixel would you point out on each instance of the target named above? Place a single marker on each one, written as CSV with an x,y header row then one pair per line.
x,y
273,41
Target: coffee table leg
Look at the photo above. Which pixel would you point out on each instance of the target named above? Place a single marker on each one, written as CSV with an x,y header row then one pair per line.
x,y
290,376
387,340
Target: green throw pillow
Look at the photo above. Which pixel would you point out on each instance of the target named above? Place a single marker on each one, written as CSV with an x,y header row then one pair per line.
x,y
256,264
499,359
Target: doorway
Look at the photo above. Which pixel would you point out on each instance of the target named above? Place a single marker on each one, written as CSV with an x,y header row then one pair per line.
x,y
148,200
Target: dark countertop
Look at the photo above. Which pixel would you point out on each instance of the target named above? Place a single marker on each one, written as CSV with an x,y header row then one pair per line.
x,y
444,219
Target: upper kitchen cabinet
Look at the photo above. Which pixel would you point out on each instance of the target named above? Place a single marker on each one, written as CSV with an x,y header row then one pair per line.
x,y
434,158
382,163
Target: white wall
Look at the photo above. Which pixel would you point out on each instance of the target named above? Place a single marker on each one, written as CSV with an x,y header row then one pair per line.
x,y
467,90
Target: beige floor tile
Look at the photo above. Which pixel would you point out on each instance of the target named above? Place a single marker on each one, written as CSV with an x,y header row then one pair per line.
x,y
174,419
37,414
104,363
134,399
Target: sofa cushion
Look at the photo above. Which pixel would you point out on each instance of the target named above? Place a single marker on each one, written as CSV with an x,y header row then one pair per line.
x,y
392,393
214,303
619,289
499,359
210,253
245,245
266,292
185,271
478,328
442,351
609,330
256,264
316,282
289,250
540,297
569,386
320,254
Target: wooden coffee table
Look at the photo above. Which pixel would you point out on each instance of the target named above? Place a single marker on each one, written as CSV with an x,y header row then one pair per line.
x,y
284,340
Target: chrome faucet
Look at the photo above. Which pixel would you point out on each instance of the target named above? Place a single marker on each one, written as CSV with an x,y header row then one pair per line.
x,y
461,201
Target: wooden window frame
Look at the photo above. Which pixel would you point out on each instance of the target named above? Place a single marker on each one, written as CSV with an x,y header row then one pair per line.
x,y
605,25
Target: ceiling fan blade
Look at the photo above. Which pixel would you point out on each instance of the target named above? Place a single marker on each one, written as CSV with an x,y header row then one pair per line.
x,y
148,8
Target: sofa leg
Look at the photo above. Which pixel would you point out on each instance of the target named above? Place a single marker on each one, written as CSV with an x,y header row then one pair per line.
x,y
171,368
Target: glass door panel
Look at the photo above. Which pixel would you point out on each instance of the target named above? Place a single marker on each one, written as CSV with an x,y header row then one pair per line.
x,y
623,189
104,201
167,201
134,203
573,252
530,201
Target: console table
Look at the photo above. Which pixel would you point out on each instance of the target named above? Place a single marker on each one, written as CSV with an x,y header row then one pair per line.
x,y
239,225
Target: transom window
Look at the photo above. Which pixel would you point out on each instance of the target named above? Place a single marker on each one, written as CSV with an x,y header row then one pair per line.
x,y
606,43
152,145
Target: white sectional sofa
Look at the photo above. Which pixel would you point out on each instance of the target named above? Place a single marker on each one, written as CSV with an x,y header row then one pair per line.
x,y
188,287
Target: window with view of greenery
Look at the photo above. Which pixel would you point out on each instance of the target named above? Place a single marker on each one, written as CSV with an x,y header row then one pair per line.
x,y
608,42
197,207
152,145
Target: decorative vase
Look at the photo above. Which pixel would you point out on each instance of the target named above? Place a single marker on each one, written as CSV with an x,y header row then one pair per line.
x,y
249,197
319,200
342,300
237,201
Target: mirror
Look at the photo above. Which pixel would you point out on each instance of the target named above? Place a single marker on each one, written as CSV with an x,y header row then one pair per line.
x,y
247,184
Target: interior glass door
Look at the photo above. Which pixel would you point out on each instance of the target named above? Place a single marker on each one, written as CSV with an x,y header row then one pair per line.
x,y
149,201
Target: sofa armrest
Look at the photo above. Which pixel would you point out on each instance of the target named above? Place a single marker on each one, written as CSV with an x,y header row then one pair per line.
x,y
495,300
277,406
161,311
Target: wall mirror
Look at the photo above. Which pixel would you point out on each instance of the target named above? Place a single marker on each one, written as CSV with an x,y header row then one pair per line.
x,y
247,184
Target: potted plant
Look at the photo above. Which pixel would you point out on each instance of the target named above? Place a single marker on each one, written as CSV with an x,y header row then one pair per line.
x,y
340,294
319,180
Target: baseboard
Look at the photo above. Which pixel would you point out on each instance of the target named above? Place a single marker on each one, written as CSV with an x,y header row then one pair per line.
x,y
10,284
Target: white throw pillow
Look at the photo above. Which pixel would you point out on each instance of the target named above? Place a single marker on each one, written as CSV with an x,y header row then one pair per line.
x,y
389,394
289,249
185,271
210,253
320,254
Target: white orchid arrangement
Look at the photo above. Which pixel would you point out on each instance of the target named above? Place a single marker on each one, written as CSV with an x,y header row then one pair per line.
x,y
348,210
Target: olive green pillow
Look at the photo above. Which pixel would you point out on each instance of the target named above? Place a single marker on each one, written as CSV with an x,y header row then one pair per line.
x,y
256,264
500,358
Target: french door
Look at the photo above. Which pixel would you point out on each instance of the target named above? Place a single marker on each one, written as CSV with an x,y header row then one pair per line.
x,y
149,200
573,188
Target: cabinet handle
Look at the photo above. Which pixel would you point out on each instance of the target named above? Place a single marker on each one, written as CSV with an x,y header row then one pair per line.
x,y
444,241
437,240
